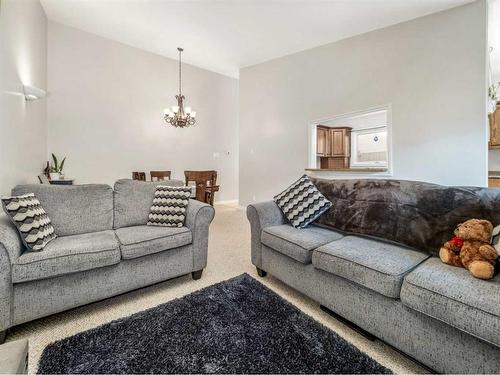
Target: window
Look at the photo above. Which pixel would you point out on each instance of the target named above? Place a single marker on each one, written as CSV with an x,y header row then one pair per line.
x,y
369,147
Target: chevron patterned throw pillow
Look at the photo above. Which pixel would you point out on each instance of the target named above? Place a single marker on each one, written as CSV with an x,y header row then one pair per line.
x,y
30,219
169,206
302,203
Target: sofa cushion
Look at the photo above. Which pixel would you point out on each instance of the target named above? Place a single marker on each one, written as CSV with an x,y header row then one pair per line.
x,y
376,265
143,240
74,209
133,200
297,243
68,254
453,296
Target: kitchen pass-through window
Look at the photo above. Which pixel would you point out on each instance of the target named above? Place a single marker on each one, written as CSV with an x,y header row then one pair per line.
x,y
358,141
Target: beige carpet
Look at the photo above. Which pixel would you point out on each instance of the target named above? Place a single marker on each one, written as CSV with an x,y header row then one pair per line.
x,y
229,256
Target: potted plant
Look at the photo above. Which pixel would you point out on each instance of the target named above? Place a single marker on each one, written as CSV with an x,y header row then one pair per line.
x,y
56,169
493,96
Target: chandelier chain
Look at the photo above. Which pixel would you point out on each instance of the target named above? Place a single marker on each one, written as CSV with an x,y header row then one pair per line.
x,y
180,73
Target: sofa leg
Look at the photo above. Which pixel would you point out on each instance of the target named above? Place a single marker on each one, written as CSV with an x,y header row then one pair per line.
x,y
196,274
3,335
261,272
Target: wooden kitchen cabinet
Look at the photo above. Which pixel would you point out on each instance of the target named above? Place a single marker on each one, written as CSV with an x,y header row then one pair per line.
x,y
322,141
494,120
333,147
341,142
494,183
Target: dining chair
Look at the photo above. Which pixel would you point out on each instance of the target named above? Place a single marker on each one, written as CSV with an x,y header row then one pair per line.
x,y
206,184
160,175
140,176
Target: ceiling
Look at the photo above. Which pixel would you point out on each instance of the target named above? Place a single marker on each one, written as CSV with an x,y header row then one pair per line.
x,y
225,35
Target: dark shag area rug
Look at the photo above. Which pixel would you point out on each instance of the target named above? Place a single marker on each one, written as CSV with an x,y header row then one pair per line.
x,y
236,326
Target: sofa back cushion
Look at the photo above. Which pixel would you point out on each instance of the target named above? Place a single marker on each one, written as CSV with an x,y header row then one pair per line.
x,y
74,209
416,214
133,200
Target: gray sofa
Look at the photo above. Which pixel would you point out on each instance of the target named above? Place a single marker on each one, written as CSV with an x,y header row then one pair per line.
x,y
404,295
104,248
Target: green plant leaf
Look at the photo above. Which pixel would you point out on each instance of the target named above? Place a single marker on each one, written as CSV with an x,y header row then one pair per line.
x,y
62,164
56,169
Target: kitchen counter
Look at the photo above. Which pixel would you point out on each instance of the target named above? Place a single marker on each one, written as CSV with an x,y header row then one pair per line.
x,y
350,173
353,170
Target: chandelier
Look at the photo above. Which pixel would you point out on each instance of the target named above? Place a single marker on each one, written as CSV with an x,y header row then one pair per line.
x,y
179,116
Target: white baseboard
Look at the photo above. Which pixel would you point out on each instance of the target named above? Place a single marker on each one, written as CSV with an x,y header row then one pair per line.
x,y
235,201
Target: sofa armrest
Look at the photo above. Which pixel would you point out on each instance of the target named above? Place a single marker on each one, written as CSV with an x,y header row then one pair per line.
x,y
9,239
198,218
262,215
10,249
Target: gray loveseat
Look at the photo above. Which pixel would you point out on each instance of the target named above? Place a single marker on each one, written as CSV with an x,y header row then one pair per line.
x,y
372,260
104,248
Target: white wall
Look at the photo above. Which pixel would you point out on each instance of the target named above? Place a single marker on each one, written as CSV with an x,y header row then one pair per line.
x,y
23,60
432,71
106,106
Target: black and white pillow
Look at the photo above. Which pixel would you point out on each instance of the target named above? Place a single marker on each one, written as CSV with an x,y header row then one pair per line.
x,y
30,219
169,206
302,203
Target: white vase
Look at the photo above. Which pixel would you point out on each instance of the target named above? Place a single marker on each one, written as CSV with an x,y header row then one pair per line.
x,y
54,176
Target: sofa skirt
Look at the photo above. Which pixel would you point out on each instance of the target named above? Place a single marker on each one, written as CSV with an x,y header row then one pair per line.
x,y
36,299
437,345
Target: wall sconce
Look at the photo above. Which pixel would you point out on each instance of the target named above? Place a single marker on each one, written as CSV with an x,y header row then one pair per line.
x,y
33,93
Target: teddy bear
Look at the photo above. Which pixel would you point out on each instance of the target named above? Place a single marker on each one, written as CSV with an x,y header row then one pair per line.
x,y
470,248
